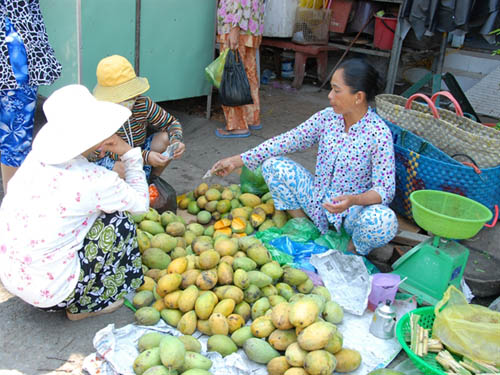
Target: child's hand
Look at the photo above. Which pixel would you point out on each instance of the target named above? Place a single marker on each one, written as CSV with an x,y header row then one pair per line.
x,y
181,147
155,159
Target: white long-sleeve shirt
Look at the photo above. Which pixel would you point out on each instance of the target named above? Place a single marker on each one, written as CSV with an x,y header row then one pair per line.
x,y
46,215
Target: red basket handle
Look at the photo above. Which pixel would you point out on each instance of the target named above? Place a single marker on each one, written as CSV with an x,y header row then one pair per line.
x,y
446,94
495,218
426,98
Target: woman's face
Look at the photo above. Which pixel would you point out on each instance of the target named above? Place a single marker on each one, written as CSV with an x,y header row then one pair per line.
x,y
341,97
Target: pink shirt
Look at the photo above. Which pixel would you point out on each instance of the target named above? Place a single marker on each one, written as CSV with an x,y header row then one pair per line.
x,y
247,14
46,215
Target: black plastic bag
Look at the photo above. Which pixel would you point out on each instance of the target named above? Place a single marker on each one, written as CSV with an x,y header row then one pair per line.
x,y
234,88
162,196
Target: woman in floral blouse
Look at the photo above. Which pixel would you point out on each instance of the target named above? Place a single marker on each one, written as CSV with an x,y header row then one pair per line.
x,y
354,181
240,24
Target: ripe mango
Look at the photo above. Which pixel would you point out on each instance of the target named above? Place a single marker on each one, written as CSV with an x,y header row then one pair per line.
x,y
249,200
229,291
148,284
143,240
226,246
169,283
172,352
189,277
246,242
149,340
269,290
322,291
176,229
213,194
188,298
209,259
224,274
147,316
201,201
285,290
201,189
171,300
238,225
222,223
252,293
204,305
226,232
190,343
268,223
276,300
159,370
241,335
178,265
155,258
281,339
316,336
218,324
221,344
257,217
195,360
151,226
295,371
280,316
196,228
159,304
187,324
178,252
240,212
262,327
224,307
204,327
320,301
303,312
259,350
211,206
164,241
171,316
146,360
184,203
295,355
277,366
319,362
200,245
223,206
169,217
227,259
348,360
259,254
235,322
207,279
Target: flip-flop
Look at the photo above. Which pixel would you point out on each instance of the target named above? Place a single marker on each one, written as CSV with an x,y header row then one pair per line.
x,y
232,135
255,127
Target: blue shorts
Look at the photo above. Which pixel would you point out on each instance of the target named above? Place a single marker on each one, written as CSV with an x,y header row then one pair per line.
x,y
17,111
109,163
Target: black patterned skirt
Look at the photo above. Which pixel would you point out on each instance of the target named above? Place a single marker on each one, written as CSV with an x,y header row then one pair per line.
x,y
111,265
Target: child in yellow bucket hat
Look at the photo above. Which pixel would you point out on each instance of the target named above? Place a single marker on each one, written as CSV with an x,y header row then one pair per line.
x,y
118,83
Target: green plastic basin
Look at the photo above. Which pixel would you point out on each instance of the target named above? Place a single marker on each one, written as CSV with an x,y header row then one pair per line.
x,y
448,215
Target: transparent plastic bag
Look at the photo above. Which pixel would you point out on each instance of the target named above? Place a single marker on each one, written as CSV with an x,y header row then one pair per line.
x,y
467,329
253,182
215,69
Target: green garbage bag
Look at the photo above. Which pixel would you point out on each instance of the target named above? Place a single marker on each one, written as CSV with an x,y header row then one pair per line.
x,y
253,182
215,69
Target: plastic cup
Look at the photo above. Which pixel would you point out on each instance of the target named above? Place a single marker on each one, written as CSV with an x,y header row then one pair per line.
x,y
384,287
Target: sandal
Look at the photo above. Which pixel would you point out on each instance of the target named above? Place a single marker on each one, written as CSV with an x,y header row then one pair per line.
x,y
231,135
255,127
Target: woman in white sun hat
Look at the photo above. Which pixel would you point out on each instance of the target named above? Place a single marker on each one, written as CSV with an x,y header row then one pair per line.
x,y
149,127
66,239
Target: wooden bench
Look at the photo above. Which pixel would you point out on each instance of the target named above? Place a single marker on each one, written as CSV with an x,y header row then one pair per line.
x,y
302,53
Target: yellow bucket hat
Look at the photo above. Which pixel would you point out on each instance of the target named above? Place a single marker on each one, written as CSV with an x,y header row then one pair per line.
x,y
117,81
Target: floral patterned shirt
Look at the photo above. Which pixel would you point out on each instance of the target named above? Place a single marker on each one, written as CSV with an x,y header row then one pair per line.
x,y
46,215
347,163
247,14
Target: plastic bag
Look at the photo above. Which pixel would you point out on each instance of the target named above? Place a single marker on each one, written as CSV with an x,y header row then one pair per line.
x,y
162,196
215,69
234,87
300,229
469,330
253,182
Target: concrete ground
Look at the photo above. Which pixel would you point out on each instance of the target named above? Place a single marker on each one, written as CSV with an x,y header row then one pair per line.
x,y
36,342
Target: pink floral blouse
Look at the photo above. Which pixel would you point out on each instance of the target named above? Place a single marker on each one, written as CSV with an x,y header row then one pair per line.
x,y
247,14
46,215
347,163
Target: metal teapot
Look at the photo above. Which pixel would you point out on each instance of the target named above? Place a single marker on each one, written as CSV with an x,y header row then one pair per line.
x,y
384,321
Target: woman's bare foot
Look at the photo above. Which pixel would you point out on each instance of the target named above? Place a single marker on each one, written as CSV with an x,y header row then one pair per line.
x,y
113,307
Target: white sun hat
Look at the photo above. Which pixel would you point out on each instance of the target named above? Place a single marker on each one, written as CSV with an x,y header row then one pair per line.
x,y
76,121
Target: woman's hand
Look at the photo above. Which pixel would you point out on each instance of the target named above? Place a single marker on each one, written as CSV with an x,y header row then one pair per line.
x,y
115,145
180,150
340,204
225,166
155,159
234,38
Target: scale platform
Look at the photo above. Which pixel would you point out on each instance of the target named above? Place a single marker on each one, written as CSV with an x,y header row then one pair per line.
x,y
431,267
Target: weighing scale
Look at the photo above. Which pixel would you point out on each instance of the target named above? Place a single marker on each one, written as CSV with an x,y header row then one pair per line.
x,y
435,264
